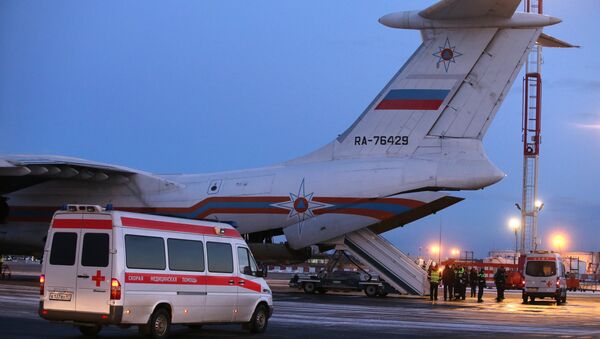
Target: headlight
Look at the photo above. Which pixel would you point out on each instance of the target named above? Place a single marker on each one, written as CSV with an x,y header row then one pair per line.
x,y
266,290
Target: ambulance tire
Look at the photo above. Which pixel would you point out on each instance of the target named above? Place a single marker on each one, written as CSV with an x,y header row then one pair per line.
x,y
562,298
90,331
525,298
309,288
371,291
259,321
160,323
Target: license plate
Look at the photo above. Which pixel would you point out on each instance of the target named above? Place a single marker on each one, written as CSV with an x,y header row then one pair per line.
x,y
532,289
61,296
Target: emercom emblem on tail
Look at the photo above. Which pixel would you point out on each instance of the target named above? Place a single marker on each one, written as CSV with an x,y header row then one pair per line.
x,y
447,55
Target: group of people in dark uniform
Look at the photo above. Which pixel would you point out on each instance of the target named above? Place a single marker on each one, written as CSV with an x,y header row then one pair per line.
x,y
456,279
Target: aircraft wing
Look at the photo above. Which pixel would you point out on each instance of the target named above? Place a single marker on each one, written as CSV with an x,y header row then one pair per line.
x,y
21,171
463,9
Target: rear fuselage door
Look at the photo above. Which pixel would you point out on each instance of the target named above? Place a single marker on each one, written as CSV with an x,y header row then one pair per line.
x,y
95,264
61,263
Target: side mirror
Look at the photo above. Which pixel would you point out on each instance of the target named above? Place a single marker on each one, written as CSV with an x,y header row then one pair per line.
x,y
247,270
263,270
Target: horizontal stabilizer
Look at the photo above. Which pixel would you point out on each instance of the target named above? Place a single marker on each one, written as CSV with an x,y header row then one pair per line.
x,y
466,9
546,40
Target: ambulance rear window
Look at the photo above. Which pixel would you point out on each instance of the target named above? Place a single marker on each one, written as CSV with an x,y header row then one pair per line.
x,y
541,268
64,246
95,250
145,252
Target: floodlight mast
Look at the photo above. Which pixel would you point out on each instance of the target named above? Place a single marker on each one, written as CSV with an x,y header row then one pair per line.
x,y
531,127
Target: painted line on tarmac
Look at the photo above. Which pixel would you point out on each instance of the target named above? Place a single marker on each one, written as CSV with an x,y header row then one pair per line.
x,y
399,324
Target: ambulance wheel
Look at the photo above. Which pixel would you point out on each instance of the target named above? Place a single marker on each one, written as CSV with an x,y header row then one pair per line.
x,y
564,298
160,324
309,288
371,290
532,299
90,331
259,321
525,298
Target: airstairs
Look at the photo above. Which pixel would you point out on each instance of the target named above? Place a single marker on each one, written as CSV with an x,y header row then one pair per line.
x,y
395,267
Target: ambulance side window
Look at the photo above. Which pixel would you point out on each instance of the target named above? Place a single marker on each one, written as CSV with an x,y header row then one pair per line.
x,y
185,255
220,258
95,250
145,252
64,247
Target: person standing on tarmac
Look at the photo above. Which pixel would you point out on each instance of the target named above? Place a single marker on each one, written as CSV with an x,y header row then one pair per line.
x,y
473,281
448,281
434,282
481,282
500,280
461,283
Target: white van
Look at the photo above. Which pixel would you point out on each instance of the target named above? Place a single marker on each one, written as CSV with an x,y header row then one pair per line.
x,y
544,276
116,268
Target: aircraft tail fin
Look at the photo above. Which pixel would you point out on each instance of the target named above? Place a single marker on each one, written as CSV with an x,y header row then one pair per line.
x,y
451,87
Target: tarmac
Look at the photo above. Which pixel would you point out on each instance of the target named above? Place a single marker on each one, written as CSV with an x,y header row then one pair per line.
x,y
348,315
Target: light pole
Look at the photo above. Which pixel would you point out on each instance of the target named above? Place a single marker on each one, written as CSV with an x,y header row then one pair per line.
x,y
435,250
515,224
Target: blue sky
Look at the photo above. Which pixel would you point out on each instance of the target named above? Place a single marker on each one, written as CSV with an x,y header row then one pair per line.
x,y
203,86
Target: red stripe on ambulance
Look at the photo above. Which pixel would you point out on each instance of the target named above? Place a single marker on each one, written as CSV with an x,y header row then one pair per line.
x,y
180,279
178,227
98,224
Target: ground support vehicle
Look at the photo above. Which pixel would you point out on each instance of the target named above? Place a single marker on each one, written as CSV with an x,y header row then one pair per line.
x,y
345,281
339,280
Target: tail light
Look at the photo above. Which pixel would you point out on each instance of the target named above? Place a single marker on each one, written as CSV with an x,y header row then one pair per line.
x,y
115,289
557,282
523,282
42,283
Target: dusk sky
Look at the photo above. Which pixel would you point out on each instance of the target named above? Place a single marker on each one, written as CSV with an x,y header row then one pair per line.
x,y
204,86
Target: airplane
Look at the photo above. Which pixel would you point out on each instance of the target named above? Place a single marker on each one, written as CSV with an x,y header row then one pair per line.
x,y
419,140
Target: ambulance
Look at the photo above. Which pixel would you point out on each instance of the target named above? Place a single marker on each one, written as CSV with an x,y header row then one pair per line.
x,y
103,267
544,277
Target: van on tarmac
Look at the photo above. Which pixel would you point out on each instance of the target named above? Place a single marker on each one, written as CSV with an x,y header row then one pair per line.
x,y
105,267
544,276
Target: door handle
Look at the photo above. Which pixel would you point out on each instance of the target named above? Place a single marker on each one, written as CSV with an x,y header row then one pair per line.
x,y
83,276
231,282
